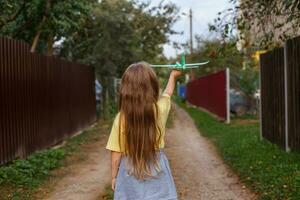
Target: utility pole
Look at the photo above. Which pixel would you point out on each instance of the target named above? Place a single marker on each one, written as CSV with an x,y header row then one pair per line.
x,y
192,73
191,31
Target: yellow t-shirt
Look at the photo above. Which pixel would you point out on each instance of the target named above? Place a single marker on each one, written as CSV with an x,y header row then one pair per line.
x,y
163,104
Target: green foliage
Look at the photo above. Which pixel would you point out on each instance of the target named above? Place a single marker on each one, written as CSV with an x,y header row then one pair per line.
x,y
109,194
47,20
170,120
121,32
264,167
274,21
108,34
10,10
246,79
111,109
220,54
117,34
224,54
33,170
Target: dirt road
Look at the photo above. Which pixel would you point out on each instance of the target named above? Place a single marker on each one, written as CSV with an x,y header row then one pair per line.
x,y
86,179
198,171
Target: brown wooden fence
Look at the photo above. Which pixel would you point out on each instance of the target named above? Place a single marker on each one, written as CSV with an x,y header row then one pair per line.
x,y
272,93
280,95
43,100
292,50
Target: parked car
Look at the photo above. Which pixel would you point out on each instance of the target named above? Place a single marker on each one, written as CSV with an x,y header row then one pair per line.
x,y
98,94
238,103
98,91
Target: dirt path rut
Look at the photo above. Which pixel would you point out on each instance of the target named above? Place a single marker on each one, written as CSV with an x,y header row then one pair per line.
x,y
198,170
87,179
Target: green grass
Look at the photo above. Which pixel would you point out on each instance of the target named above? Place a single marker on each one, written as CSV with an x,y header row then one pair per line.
x,y
265,168
171,118
109,193
20,178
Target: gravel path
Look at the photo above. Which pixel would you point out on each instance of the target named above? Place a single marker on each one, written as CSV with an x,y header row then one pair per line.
x,y
85,180
198,170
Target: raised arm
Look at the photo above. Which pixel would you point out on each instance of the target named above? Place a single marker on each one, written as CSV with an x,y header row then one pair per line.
x,y
172,82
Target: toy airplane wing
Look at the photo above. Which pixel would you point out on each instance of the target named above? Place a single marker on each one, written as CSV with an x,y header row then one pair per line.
x,y
191,67
173,66
182,64
196,64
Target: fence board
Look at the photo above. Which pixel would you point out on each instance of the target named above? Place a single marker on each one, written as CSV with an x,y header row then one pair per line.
x,y
272,93
43,100
293,91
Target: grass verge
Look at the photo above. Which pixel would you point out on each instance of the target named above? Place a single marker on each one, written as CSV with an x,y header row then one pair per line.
x,y
108,194
171,117
20,178
267,169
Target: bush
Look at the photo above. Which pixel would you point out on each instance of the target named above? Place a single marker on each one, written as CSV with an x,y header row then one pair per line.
x,y
33,170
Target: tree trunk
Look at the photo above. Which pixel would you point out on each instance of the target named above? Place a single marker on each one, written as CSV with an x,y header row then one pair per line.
x,y
39,29
35,41
50,45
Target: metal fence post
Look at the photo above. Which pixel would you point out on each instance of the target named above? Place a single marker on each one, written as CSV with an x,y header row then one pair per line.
x,y
260,106
287,148
228,95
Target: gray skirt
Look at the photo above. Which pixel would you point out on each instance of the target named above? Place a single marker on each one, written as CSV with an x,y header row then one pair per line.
x,y
161,187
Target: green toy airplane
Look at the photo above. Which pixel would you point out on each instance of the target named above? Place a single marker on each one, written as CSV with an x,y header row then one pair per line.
x,y
182,64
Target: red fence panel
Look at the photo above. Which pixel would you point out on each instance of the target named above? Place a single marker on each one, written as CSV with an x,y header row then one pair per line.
x,y
211,93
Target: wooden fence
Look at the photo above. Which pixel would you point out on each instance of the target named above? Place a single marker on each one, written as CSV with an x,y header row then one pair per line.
x,y
272,93
280,95
292,50
43,100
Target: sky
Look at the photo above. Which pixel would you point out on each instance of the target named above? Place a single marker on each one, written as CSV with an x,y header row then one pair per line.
x,y
204,12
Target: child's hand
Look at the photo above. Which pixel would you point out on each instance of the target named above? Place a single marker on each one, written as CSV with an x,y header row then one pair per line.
x,y
175,73
172,81
113,184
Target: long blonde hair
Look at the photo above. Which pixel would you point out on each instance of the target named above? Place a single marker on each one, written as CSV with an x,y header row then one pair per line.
x,y
139,93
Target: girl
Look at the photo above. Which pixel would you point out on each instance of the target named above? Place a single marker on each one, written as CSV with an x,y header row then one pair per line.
x,y
140,169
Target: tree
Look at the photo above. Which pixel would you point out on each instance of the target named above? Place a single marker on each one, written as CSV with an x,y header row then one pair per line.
x,y
121,32
118,33
224,54
42,22
261,24
11,10
220,54
114,33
